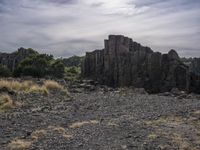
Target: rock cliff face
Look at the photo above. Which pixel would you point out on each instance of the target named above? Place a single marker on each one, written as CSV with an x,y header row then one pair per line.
x,y
13,59
124,62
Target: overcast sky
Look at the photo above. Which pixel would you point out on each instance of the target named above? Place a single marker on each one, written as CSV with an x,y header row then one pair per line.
x,y
68,27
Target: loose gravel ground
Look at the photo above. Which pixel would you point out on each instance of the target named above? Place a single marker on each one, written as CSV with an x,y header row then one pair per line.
x,y
101,120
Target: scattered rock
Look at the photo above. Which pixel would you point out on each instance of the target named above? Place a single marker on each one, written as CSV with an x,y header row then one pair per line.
x,y
140,91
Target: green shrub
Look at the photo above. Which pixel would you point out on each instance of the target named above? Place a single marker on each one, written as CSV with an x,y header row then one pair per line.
x,y
57,69
74,61
4,71
40,65
72,70
36,66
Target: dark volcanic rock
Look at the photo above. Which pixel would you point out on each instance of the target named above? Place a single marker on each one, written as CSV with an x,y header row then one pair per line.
x,y
124,62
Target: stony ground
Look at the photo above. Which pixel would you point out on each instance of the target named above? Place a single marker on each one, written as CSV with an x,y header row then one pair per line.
x,y
102,120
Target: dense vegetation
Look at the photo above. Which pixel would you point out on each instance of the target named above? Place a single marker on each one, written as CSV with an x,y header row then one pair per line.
x,y
43,65
74,61
72,67
40,65
4,71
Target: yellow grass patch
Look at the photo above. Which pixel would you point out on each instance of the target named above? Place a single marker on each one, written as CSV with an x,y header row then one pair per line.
x,y
177,137
38,89
112,124
52,85
38,133
59,129
31,87
152,136
67,136
25,86
80,124
19,144
6,103
12,85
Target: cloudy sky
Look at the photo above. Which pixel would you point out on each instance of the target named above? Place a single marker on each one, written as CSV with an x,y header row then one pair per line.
x,y
68,27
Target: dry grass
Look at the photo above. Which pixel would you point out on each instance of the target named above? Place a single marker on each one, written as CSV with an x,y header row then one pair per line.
x,y
6,102
67,136
16,85
59,130
24,86
62,131
163,146
152,136
177,136
182,143
11,85
80,124
19,144
38,133
53,85
173,121
196,113
31,87
112,124
38,89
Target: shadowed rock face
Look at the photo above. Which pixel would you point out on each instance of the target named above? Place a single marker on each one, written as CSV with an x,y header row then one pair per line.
x,y
13,59
124,62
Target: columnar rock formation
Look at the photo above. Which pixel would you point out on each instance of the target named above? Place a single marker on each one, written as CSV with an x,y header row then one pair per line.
x,y
124,62
13,59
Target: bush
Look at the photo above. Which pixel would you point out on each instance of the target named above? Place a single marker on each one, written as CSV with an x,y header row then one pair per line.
x,y
35,66
72,73
40,65
74,61
57,69
4,71
72,70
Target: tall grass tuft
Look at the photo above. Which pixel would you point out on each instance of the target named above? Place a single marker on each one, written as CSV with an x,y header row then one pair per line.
x,y
6,102
53,85
32,87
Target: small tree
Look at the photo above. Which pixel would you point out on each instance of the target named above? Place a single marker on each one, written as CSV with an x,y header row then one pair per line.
x,y
57,69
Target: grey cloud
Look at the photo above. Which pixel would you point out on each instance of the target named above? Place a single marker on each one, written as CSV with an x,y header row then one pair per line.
x,y
68,27
62,1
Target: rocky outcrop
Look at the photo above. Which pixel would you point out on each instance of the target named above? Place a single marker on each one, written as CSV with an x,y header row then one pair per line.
x,y
124,62
13,59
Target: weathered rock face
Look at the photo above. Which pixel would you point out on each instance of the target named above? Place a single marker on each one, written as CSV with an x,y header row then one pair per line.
x,y
13,59
126,63
195,76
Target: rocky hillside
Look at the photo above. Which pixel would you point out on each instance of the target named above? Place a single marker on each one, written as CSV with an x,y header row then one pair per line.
x,y
124,62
